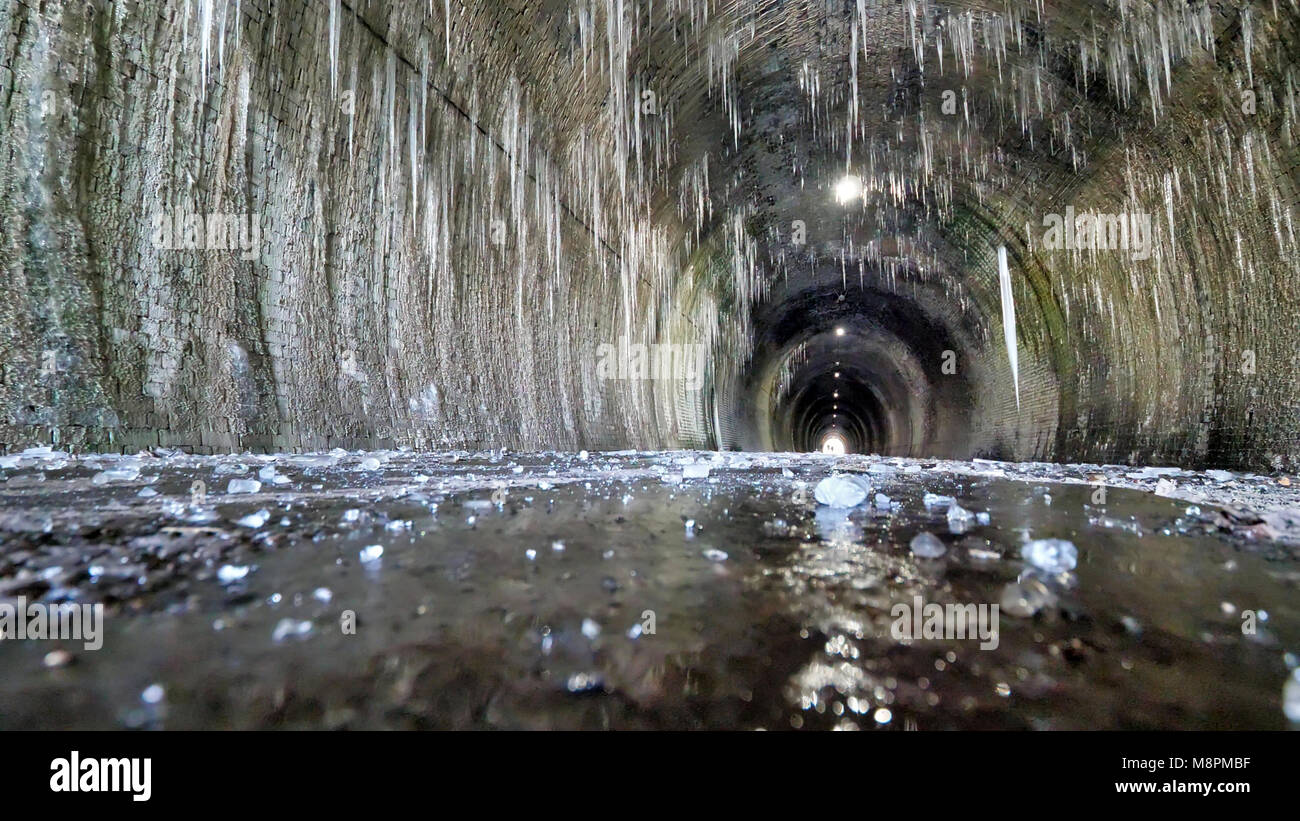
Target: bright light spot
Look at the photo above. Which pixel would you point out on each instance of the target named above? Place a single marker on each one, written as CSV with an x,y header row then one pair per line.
x,y
848,189
839,331
833,444
837,374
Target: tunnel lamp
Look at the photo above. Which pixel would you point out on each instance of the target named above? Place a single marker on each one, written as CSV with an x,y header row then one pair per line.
x,y
833,444
837,374
839,332
848,189
836,396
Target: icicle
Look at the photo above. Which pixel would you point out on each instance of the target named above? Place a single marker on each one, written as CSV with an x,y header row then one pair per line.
x,y
334,46
1009,319
205,44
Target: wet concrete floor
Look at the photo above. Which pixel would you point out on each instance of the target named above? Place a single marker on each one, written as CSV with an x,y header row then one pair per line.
x,y
632,590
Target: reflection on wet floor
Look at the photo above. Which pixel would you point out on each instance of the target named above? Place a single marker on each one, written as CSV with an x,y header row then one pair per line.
x,y
633,590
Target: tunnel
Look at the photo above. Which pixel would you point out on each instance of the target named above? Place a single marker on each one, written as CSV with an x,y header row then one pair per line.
x,y
455,207
495,256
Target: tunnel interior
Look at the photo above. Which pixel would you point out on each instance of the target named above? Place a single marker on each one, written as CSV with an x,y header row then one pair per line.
x,y
604,364
1023,230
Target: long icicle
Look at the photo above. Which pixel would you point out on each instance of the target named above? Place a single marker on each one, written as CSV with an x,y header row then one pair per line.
x,y
1009,319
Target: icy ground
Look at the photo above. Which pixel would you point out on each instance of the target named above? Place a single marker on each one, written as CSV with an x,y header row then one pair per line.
x,y
644,590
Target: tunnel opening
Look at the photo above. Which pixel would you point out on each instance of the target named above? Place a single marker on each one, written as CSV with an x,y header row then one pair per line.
x,y
867,362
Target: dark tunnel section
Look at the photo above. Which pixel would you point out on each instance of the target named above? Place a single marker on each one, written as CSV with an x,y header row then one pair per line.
x,y
869,367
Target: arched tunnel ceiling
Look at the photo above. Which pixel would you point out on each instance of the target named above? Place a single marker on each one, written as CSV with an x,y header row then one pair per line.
x,y
463,203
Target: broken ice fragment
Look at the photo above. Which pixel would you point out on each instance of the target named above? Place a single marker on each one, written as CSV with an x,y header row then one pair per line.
x,y
268,474
583,682
57,658
122,473
231,573
255,520
927,546
696,471
714,555
1154,473
243,486
959,518
841,491
1051,555
934,500
289,628
372,553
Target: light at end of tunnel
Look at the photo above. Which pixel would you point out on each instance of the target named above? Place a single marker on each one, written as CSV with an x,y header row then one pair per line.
x,y
848,189
833,443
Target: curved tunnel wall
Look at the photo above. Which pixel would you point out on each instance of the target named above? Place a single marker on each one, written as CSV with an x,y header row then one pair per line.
x,y
437,263
462,210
